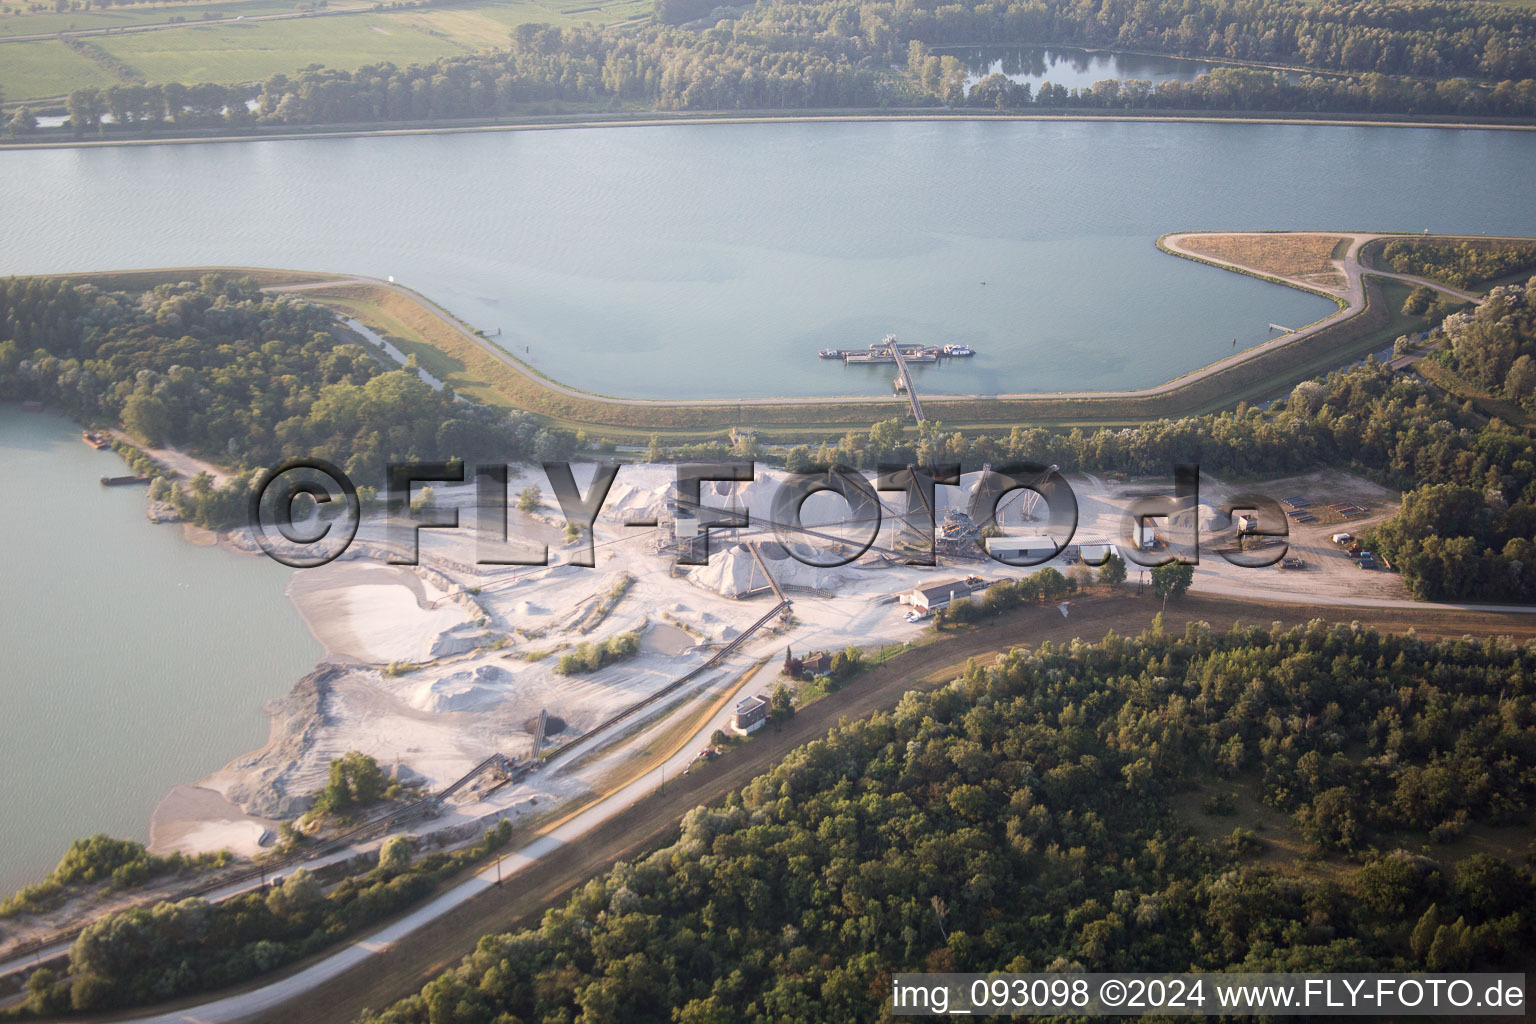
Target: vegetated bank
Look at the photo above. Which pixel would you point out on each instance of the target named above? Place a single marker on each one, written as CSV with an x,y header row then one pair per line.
x,y
654,818
1032,817
1430,58
248,379
479,368
243,377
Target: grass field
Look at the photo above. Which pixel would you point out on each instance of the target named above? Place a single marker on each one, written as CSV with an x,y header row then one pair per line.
x,y
250,51
46,68
1303,257
21,22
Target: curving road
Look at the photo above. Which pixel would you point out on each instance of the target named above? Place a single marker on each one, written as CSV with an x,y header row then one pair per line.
x,y
388,963
1353,295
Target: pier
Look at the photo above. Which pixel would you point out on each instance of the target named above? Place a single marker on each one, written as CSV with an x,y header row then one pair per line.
x,y
904,381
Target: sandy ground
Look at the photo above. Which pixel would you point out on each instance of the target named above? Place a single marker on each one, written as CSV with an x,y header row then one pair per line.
x,y
193,819
186,465
486,640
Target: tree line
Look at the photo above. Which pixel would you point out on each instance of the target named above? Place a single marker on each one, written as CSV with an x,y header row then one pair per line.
x,y
244,377
102,861
1464,264
1022,819
1469,511
1412,58
151,954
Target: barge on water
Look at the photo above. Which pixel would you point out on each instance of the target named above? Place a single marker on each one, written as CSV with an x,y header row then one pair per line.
x,y
879,352
95,440
123,481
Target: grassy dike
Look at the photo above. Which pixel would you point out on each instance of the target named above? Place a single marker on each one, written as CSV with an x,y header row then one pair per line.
x,y
481,370
500,379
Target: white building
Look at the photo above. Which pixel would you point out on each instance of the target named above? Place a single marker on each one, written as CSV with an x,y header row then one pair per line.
x,y
930,599
1030,546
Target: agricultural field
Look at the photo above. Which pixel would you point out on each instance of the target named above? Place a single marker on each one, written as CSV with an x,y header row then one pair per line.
x,y
46,68
254,50
15,21
1307,258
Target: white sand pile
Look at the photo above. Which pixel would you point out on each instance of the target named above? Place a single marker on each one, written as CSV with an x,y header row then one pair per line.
x,y
479,689
460,639
734,572
631,496
385,623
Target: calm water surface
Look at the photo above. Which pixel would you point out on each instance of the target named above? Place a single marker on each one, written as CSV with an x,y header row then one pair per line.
x,y
661,262
709,260
133,660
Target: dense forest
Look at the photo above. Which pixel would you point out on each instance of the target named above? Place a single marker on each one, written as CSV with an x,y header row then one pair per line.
x,y
1021,819
1465,264
1412,58
243,377
152,954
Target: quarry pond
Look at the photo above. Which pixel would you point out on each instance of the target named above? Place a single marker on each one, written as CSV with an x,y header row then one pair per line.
x,y
705,260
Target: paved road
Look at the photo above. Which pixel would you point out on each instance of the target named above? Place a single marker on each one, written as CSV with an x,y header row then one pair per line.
x,y
1242,593
1353,293
395,960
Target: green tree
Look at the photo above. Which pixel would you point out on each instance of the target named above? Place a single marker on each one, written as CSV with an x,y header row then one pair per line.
x,y
1112,572
47,996
146,416
86,107
22,122
1172,580
425,499
781,704
529,498
295,897
395,855
1419,300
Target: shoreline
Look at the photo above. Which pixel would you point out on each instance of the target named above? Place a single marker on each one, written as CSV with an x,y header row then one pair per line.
x,y
656,119
1249,374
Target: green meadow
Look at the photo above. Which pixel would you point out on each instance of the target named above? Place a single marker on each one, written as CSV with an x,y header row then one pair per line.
x,y
227,51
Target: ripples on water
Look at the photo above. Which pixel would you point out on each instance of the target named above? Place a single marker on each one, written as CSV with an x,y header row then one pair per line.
x,y
692,261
